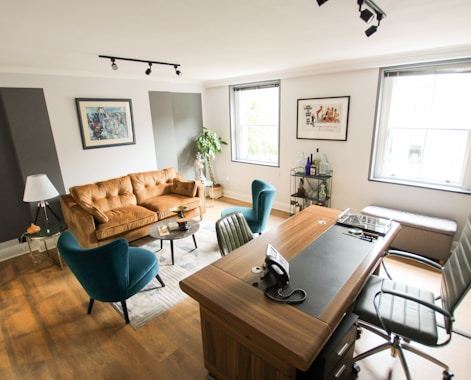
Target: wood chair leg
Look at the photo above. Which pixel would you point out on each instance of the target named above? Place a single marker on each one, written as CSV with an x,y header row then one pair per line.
x,y
90,305
125,311
159,279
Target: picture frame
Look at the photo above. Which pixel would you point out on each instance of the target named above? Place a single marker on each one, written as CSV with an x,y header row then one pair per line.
x,y
105,122
323,118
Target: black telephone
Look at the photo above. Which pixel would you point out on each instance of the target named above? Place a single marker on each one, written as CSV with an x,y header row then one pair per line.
x,y
277,265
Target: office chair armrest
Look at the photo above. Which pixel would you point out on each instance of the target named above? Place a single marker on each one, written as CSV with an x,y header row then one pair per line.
x,y
409,256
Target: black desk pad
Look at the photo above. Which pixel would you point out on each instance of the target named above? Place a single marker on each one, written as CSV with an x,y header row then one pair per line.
x,y
323,267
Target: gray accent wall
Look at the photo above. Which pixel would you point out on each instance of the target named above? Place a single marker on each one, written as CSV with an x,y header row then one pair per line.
x,y
26,147
176,118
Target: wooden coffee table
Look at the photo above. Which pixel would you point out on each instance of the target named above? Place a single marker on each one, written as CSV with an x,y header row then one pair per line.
x,y
156,232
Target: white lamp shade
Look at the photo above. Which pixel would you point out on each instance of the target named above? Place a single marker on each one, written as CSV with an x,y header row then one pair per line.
x,y
39,188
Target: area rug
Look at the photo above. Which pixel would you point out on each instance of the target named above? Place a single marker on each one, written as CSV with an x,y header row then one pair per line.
x,y
154,300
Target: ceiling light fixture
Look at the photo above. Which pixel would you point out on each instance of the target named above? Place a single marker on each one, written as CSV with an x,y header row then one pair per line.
x,y
114,66
367,15
320,2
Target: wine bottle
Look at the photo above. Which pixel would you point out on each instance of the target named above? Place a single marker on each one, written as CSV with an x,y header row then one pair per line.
x,y
307,168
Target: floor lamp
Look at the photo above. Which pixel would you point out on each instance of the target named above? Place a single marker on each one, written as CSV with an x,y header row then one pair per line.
x,y
39,189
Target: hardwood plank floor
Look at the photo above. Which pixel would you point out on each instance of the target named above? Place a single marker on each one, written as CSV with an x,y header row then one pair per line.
x,y
45,332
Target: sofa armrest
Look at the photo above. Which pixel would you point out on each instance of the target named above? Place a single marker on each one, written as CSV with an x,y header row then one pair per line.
x,y
79,222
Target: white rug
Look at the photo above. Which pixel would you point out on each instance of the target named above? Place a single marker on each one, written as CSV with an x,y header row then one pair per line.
x,y
154,300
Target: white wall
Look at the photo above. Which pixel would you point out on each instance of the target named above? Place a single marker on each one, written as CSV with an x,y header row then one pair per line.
x,y
81,166
349,159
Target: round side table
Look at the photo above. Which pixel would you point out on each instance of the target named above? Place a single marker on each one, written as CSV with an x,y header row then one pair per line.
x,y
52,231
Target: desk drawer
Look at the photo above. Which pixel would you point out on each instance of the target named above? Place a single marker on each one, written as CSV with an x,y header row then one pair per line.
x,y
337,352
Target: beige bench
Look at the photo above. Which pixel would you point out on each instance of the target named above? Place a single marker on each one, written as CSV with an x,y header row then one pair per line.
x,y
425,235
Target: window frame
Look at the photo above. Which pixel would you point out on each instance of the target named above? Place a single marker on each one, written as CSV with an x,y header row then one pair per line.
x,y
235,136
380,139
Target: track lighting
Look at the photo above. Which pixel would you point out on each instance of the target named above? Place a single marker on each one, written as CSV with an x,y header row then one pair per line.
x,y
148,71
114,66
178,72
367,15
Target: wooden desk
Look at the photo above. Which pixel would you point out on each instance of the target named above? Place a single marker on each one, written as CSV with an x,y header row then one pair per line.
x,y
248,336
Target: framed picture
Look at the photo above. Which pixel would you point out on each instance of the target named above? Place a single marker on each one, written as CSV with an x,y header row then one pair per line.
x,y
323,118
105,122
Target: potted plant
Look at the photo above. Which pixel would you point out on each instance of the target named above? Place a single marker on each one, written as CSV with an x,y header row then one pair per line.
x,y
208,144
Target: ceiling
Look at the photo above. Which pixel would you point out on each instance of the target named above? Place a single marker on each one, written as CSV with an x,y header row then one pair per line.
x,y
215,40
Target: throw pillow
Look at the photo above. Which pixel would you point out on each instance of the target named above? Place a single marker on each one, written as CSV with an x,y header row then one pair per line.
x,y
184,187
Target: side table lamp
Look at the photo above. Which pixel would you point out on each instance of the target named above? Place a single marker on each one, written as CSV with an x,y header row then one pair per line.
x,y
39,189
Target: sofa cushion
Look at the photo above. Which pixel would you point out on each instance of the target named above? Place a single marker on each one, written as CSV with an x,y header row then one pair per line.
x,y
162,204
124,219
184,187
97,198
152,183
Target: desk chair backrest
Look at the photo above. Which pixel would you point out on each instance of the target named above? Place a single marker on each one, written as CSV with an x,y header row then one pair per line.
x,y
102,271
232,232
263,195
456,274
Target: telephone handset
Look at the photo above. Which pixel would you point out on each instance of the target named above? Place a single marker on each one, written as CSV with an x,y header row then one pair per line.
x,y
277,265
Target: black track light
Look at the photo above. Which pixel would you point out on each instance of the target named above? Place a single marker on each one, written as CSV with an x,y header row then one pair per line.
x,y
148,71
371,30
320,2
367,16
114,66
178,72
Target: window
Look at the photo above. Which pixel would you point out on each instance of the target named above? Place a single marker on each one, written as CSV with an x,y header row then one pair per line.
x,y
255,123
423,126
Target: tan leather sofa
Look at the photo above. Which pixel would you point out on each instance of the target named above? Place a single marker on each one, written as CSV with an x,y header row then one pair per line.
x,y
127,206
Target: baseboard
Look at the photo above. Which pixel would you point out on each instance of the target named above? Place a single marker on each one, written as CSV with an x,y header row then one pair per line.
x,y
12,248
281,206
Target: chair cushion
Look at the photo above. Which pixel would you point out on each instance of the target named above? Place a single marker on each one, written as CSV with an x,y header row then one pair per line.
x,y
403,317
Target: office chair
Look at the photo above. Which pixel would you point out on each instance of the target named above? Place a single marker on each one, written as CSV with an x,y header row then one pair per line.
x,y
257,216
109,273
232,231
401,313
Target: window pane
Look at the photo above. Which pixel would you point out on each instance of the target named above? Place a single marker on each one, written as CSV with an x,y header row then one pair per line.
x,y
423,136
255,123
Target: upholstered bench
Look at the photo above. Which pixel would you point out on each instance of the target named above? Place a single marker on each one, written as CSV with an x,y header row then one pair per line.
x,y
425,235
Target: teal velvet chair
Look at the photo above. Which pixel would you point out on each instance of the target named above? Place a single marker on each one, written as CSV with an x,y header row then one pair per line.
x,y
263,195
109,273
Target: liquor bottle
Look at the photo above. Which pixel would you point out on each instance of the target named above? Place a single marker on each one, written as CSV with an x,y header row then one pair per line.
x,y
312,169
307,168
300,163
324,166
317,160
322,196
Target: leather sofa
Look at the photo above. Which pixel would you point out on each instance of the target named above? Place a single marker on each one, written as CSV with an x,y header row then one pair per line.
x,y
125,207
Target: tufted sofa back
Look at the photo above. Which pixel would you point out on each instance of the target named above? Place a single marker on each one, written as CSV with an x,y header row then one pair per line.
x,y
154,183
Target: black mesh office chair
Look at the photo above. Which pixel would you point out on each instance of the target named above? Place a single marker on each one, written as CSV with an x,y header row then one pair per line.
x,y
401,313
232,232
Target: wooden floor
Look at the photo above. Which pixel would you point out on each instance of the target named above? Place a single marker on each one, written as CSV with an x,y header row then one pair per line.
x,y
46,333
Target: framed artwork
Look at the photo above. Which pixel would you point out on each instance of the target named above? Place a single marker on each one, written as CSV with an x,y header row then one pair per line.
x,y
323,118
105,122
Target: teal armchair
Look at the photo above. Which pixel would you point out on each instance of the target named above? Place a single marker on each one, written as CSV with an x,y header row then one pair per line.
x,y
263,195
109,273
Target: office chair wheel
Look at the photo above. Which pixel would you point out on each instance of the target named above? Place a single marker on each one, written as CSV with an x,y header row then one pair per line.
x,y
447,375
355,368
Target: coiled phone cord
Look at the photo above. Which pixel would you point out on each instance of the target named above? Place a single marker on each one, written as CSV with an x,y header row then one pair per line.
x,y
275,293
